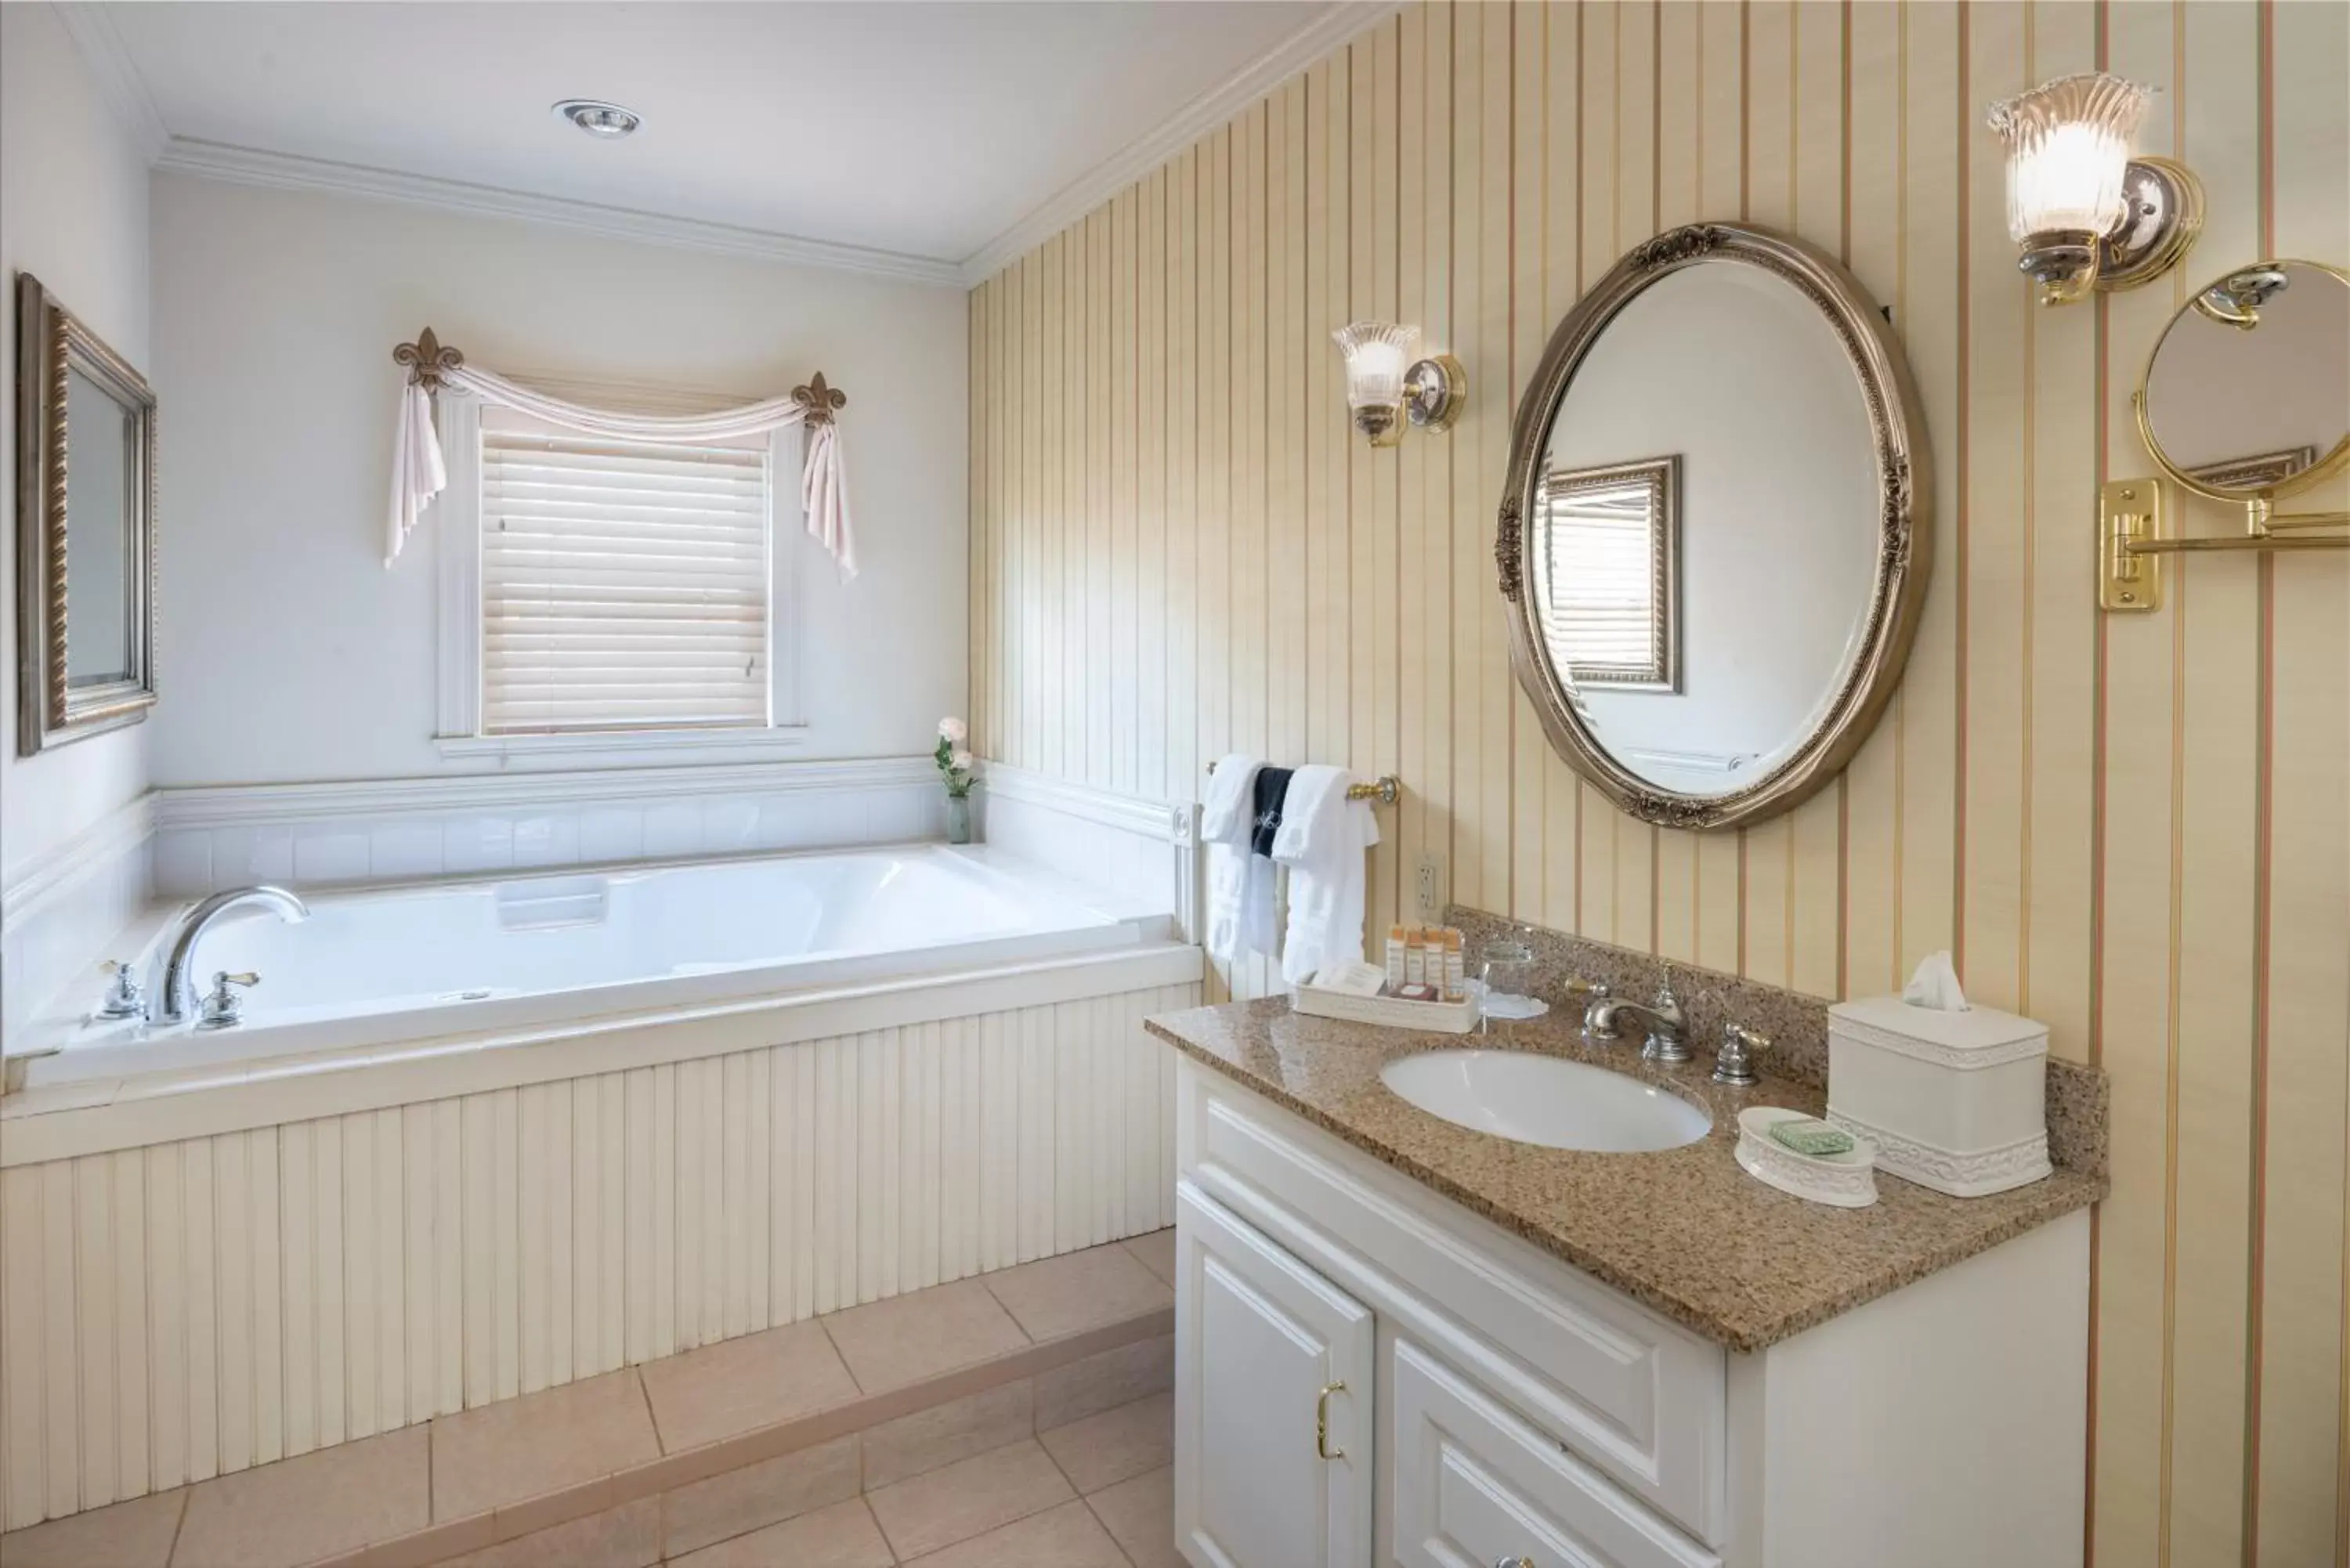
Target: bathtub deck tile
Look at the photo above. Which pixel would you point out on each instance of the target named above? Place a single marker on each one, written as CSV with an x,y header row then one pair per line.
x,y
910,1338
299,1510
737,1385
503,1453
1156,1251
135,1534
1055,1297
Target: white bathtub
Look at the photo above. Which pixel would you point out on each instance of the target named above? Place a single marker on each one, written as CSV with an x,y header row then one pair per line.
x,y
423,962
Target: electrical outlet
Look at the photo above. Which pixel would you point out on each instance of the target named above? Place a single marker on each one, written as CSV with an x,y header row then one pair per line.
x,y
1428,890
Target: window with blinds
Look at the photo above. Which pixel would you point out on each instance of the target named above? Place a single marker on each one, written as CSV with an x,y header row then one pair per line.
x,y
624,585
1606,575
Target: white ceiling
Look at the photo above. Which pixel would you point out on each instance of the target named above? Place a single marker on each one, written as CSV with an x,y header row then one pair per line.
x,y
920,128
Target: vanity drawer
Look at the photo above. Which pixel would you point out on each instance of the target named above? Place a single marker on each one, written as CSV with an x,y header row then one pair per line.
x,y
1641,1398
1471,1483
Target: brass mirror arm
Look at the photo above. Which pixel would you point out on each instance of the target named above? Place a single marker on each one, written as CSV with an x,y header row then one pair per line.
x,y
2309,520
2235,542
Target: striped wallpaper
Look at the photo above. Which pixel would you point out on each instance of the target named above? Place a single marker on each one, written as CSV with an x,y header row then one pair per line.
x,y
2132,828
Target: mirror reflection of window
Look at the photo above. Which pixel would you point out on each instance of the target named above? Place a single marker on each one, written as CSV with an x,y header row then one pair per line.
x,y
1607,580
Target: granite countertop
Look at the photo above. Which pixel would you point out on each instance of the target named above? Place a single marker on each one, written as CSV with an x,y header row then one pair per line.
x,y
1685,1231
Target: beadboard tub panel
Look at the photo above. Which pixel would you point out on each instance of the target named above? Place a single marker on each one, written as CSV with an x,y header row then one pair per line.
x,y
191,1308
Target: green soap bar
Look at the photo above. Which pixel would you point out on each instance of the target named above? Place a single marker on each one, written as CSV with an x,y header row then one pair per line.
x,y
1812,1138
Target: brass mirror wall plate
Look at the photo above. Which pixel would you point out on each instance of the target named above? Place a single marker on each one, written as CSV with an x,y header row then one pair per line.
x,y
1796,566
84,529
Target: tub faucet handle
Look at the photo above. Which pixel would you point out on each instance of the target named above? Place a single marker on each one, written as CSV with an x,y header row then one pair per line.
x,y
123,998
222,1005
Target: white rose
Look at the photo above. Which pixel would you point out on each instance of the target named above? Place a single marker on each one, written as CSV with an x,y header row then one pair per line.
x,y
961,762
954,730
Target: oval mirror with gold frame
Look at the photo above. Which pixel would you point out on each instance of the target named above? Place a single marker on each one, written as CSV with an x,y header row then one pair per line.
x,y
1716,529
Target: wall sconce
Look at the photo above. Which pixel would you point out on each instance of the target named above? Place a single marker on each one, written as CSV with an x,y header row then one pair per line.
x,y
2086,214
1385,386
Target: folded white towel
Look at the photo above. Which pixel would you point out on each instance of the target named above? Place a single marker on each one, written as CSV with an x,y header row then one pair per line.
x,y
1322,839
1227,821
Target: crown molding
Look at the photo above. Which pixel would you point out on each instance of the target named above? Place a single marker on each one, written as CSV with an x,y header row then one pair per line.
x,y
1323,34
101,46
285,171
118,82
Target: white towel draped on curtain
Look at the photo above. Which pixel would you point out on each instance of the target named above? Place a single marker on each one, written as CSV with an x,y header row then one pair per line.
x,y
417,473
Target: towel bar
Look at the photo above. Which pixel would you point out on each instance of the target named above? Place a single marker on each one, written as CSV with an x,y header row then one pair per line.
x,y
1387,789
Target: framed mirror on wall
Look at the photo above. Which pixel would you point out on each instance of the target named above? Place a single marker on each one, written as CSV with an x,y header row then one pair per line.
x,y
1715,533
84,529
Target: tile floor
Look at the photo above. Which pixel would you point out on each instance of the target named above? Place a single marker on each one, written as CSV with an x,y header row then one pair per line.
x,y
1066,1468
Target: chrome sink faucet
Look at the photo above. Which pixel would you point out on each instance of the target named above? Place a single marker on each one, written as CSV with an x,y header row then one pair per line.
x,y
178,1003
1662,1019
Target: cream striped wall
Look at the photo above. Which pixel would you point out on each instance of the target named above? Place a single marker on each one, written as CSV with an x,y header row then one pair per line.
x,y
189,1309
2133,829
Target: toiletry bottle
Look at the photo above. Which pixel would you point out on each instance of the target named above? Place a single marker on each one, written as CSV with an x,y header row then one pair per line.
x,y
1415,956
1456,979
1395,958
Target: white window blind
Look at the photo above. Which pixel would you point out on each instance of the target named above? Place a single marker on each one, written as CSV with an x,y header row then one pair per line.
x,y
624,585
1602,607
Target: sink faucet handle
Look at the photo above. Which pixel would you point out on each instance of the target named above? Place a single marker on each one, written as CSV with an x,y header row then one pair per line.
x,y
221,1004
123,998
1735,1064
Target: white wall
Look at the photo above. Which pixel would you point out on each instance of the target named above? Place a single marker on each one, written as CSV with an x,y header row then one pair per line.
x,y
74,213
289,653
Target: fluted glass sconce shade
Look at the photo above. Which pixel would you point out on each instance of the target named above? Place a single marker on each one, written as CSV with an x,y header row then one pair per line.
x,y
1377,353
2083,214
1385,386
2067,143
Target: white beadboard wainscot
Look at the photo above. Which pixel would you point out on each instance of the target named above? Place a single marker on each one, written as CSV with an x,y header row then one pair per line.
x,y
195,1306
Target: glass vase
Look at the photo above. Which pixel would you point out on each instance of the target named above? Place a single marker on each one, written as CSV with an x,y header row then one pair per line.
x,y
958,819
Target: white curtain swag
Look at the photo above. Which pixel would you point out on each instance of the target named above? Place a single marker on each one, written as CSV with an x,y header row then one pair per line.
x,y
418,472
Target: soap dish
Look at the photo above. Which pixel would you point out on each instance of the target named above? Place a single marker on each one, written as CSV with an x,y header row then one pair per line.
x,y
1846,1180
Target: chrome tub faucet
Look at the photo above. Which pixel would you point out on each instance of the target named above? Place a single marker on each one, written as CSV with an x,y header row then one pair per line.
x,y
178,1003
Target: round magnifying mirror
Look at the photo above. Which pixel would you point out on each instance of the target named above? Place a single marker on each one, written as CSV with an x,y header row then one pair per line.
x,y
1719,543
2248,393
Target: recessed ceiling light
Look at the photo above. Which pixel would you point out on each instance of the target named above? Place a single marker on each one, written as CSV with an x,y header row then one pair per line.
x,y
604,122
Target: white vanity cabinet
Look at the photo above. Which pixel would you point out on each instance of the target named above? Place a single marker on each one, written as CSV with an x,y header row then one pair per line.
x,y
1260,1332
1368,1374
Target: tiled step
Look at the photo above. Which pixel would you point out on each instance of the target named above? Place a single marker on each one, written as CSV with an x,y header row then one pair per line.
x,y
706,1452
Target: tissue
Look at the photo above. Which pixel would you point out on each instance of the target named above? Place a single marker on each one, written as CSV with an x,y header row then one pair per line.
x,y
1935,985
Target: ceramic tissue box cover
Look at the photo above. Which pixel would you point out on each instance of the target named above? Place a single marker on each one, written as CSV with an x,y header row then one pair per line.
x,y
1954,1101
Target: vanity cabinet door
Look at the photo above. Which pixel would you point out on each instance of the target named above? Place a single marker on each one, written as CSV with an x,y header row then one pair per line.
x,y
1475,1487
1274,1380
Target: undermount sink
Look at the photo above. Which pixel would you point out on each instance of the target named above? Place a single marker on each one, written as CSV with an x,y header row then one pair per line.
x,y
1547,1100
